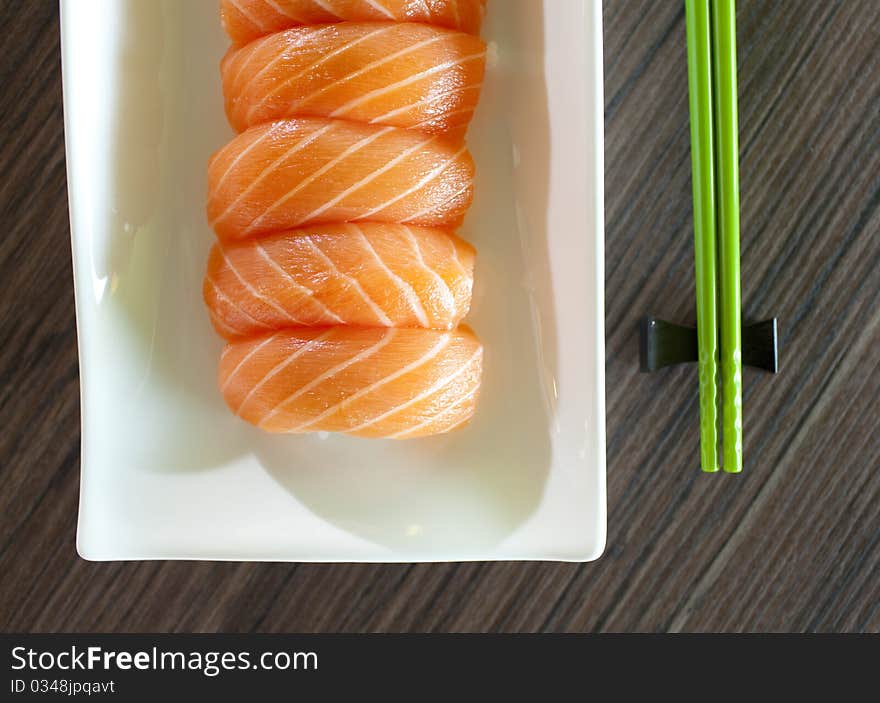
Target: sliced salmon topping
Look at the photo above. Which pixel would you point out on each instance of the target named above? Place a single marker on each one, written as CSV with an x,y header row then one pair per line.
x,y
395,383
245,20
291,173
369,275
405,75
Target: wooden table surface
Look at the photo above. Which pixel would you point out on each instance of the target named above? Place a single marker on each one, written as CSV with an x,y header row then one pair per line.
x,y
791,544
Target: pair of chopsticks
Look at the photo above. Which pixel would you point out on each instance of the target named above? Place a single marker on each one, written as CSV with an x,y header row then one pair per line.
x,y
711,52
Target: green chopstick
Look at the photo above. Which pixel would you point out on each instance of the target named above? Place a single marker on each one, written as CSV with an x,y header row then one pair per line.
x,y
699,55
727,198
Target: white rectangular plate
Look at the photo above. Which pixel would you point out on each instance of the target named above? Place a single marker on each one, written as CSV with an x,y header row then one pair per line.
x,y
169,473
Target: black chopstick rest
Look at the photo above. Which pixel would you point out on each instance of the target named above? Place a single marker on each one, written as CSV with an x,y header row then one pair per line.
x,y
663,343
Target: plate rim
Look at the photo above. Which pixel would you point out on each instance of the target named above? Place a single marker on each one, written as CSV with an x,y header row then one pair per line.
x,y
591,549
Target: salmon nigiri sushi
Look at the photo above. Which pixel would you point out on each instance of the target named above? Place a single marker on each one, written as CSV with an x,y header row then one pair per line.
x,y
401,74
394,383
245,20
366,274
304,171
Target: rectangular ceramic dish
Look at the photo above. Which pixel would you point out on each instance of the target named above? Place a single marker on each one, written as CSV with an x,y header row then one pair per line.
x,y
169,473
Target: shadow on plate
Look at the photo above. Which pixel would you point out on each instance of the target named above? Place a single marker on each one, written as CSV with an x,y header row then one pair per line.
x,y
153,260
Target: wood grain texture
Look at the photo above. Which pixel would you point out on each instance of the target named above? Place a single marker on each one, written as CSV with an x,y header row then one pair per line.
x,y
791,544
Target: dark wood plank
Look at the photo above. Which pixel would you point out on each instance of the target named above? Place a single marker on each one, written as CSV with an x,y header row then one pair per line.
x,y
792,544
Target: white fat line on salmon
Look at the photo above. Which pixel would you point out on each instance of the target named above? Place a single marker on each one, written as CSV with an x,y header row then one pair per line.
x,y
244,152
434,351
328,9
302,144
365,181
225,327
254,292
317,174
247,357
278,368
253,49
454,255
437,207
424,123
235,306
281,11
225,351
448,298
328,262
248,16
436,416
405,288
425,8
418,186
378,92
366,69
308,293
279,56
361,356
381,8
326,57
424,101
436,388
